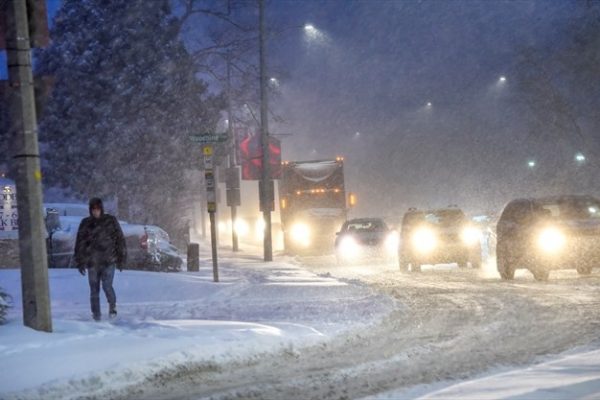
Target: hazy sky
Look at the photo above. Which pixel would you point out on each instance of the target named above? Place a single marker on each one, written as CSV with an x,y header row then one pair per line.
x,y
359,86
374,67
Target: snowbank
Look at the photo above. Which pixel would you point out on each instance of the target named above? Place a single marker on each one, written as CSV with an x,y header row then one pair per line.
x,y
167,320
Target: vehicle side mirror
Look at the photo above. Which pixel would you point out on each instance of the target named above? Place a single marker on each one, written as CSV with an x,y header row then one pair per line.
x,y
52,220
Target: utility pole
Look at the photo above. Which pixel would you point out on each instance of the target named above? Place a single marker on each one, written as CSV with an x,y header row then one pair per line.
x,y
265,184
32,244
232,199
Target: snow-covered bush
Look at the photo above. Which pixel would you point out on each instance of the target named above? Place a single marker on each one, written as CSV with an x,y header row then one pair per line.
x,y
4,305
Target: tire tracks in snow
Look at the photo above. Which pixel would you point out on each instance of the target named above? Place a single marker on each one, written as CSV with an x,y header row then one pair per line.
x,y
449,325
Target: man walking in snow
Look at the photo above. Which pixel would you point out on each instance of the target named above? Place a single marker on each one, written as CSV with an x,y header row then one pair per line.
x,y
100,248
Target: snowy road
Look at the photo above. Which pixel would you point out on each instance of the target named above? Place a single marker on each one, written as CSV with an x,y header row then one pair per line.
x,y
450,324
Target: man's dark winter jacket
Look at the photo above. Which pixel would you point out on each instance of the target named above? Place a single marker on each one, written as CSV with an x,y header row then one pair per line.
x,y
100,241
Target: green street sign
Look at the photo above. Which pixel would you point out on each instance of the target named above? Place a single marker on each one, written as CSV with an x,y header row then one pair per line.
x,y
209,138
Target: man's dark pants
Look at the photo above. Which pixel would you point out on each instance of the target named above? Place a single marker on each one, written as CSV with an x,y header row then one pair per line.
x,y
101,274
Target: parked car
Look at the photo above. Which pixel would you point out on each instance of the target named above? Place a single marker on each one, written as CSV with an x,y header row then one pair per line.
x,y
148,246
438,236
544,234
365,238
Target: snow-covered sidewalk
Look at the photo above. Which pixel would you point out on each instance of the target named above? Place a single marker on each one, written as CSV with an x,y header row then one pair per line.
x,y
167,320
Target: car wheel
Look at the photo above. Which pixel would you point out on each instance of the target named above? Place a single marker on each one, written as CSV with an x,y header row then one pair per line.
x,y
583,270
540,274
506,269
416,266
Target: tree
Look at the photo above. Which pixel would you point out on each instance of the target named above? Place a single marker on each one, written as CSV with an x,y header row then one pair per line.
x,y
125,100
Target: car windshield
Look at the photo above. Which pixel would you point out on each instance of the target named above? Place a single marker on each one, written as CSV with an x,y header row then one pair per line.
x,y
445,217
370,225
578,208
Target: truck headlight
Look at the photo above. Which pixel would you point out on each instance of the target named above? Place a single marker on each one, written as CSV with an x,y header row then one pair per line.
x,y
348,247
470,236
391,243
300,234
424,240
551,240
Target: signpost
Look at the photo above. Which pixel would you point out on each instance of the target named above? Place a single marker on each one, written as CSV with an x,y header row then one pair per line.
x,y
208,140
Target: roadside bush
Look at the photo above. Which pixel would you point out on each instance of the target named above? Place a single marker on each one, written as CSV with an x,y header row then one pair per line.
x,y
4,305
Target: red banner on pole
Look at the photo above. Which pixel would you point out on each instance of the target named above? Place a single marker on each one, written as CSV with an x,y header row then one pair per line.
x,y
250,150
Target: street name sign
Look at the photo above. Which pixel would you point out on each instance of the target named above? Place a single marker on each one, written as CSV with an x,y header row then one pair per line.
x,y
209,138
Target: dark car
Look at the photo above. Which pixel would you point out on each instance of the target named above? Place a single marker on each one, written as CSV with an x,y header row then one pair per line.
x,y
543,234
148,246
365,238
438,236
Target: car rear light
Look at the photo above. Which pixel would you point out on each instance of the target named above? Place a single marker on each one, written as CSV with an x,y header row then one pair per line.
x,y
144,241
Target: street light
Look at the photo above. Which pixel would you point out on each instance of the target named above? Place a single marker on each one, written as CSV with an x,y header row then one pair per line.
x,y
274,83
429,104
580,158
314,34
309,28
531,163
502,79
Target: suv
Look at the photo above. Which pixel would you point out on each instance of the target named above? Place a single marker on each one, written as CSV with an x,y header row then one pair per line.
x,y
438,236
548,233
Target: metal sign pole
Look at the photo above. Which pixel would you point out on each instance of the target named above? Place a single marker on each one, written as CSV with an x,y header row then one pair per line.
x,y
211,203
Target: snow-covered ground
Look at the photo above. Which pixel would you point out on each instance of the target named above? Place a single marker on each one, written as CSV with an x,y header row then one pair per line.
x,y
280,321
570,376
167,320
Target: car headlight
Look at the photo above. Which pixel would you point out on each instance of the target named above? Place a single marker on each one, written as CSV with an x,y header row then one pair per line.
x,y
300,234
241,227
551,240
424,240
470,236
391,242
348,247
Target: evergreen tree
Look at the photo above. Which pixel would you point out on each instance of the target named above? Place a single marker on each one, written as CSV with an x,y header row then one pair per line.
x,y
125,100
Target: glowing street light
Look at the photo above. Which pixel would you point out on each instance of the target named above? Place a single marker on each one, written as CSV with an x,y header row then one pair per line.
x,y
314,35
502,79
274,82
310,28
531,163
580,158
429,104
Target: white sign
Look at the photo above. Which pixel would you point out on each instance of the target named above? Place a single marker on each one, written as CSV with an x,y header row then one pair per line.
x,y
9,217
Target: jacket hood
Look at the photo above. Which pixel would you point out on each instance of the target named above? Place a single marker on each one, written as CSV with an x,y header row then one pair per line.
x,y
96,202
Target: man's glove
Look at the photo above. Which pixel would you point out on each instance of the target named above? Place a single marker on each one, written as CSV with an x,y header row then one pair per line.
x,y
81,270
